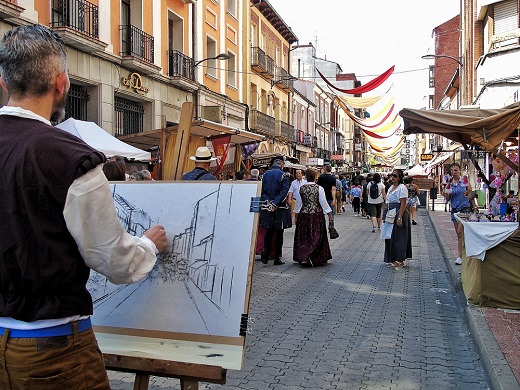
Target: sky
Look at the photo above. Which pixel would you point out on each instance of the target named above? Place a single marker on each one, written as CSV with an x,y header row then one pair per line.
x,y
366,37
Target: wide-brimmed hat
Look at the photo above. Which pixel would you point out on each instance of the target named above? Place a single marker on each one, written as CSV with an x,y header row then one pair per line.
x,y
202,155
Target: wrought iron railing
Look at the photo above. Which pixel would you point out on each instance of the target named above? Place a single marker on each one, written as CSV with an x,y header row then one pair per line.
x,y
79,15
262,61
135,42
284,130
284,78
262,123
180,65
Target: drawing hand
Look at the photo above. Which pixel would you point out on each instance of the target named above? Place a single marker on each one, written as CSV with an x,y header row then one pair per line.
x,y
158,236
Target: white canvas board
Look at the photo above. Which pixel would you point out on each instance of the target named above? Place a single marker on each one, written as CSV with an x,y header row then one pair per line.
x,y
199,287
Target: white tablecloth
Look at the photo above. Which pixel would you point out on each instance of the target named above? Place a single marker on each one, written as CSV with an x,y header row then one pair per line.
x,y
481,236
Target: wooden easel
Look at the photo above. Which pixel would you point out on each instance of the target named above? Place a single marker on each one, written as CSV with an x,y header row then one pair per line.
x,y
189,374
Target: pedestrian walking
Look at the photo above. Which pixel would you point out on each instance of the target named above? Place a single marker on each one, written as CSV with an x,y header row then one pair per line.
x,y
399,246
376,198
311,244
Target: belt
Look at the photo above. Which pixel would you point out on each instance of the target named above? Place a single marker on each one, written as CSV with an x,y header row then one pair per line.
x,y
53,331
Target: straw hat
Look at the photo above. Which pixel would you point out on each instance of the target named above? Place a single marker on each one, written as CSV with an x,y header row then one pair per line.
x,y
202,155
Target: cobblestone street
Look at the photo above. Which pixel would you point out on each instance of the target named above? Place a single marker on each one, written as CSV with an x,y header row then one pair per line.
x,y
354,323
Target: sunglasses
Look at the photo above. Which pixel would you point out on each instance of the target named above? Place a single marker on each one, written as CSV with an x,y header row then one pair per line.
x,y
394,175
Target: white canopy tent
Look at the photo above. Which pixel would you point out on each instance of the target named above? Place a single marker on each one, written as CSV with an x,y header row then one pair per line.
x,y
417,170
102,141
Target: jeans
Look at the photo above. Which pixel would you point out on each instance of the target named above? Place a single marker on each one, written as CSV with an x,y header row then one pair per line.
x,y
329,201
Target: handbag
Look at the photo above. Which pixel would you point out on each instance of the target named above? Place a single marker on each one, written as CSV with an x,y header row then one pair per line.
x,y
390,216
386,231
333,233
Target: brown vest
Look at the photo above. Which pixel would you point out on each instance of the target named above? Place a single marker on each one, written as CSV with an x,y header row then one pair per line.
x,y
42,274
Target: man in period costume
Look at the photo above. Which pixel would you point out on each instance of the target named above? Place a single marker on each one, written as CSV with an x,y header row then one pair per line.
x,y
275,215
58,222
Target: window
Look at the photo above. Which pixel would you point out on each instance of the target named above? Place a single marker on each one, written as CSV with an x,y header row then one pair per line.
x,y
506,20
430,101
175,33
211,51
232,7
432,76
77,102
129,116
231,70
125,21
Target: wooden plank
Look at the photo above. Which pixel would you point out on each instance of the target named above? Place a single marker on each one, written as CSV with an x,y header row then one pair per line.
x,y
141,382
165,368
177,146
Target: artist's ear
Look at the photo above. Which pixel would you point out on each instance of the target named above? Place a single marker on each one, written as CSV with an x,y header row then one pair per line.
x,y
2,84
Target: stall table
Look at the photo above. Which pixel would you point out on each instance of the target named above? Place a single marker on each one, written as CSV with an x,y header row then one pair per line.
x,y
495,280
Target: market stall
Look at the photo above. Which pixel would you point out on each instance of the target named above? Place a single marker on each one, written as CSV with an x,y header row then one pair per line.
x,y
491,263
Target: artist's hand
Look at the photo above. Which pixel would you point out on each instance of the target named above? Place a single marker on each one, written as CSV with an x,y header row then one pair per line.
x,y
158,236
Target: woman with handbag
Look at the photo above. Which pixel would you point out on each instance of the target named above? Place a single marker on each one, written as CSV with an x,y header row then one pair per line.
x,y
311,244
399,246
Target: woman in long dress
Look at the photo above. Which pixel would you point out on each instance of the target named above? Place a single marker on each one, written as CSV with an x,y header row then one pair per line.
x,y
399,246
311,243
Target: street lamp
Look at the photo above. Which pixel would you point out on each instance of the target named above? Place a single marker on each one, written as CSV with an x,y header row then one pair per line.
x,y
290,78
221,56
433,56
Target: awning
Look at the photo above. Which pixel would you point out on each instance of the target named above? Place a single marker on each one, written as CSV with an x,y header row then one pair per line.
x,y
302,148
200,128
484,127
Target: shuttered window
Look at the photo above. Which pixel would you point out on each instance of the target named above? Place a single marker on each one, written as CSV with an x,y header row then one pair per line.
x,y
506,17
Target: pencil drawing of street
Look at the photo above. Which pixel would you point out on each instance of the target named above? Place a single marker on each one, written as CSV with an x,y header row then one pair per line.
x,y
198,284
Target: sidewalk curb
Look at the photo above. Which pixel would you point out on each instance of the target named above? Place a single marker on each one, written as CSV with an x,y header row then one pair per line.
x,y
495,364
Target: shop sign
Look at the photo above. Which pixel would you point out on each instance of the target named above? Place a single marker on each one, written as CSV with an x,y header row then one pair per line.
x,y
135,82
337,157
307,140
315,161
426,157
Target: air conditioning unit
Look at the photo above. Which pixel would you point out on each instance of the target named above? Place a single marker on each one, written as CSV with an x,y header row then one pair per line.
x,y
211,113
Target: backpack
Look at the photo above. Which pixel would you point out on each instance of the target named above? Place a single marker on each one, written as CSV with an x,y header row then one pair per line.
x,y
374,190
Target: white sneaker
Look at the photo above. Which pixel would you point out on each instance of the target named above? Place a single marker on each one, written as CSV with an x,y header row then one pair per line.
x,y
458,261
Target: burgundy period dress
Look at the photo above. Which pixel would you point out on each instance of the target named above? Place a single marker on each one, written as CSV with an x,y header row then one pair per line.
x,y
310,238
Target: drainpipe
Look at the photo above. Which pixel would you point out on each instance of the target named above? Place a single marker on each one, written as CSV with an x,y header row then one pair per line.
x,y
194,50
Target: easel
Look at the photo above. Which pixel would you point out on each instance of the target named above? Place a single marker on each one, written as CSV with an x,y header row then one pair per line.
x,y
189,374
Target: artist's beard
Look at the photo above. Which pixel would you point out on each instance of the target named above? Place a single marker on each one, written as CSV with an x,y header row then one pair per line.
x,y
58,113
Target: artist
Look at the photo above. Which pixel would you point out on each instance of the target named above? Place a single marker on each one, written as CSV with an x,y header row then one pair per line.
x,y
58,222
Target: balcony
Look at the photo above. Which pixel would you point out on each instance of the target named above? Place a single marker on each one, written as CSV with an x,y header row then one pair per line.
x,y
10,9
285,131
262,63
77,22
137,50
262,123
181,70
284,79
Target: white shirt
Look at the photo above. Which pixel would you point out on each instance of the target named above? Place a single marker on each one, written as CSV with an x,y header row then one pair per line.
x,y
92,221
395,195
321,196
379,199
294,189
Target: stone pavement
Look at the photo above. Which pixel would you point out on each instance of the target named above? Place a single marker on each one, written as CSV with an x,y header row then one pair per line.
x,y
354,323
496,331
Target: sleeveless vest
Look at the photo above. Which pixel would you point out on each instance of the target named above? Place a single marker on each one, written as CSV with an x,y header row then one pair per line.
x,y
42,274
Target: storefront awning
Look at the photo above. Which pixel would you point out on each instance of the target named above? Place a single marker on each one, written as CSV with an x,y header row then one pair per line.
x,y
200,128
302,148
